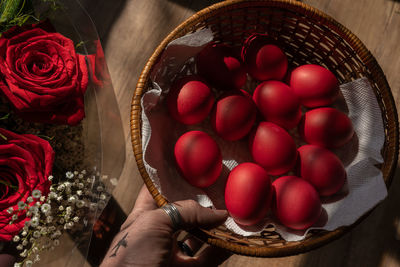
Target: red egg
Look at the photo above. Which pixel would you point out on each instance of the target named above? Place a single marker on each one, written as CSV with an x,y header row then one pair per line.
x,y
322,168
315,85
198,158
327,127
278,104
296,203
233,116
248,193
190,100
218,64
273,148
263,59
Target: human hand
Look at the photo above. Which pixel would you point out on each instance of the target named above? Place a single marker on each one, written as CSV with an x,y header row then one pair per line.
x,y
147,237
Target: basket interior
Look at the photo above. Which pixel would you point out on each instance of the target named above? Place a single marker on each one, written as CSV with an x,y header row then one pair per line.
x,y
307,36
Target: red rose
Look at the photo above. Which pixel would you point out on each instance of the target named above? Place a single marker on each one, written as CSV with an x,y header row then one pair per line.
x,y
98,67
26,161
42,76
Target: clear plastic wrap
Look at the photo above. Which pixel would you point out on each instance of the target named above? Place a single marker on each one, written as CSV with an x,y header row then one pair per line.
x,y
96,145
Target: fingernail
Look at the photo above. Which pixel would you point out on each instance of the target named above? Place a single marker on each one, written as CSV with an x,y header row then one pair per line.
x,y
221,212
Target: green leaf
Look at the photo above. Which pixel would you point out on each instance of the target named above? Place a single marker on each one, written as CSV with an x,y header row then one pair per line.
x,y
10,9
4,137
5,117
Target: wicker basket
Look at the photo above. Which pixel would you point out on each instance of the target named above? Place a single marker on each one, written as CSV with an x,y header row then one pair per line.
x,y
307,36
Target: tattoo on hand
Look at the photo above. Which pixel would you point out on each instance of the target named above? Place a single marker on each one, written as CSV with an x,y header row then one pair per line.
x,y
120,243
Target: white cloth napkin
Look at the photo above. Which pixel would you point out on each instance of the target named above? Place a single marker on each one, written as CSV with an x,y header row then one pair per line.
x,y
364,189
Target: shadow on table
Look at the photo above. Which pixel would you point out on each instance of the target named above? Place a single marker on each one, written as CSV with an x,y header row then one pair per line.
x,y
103,15
195,5
374,242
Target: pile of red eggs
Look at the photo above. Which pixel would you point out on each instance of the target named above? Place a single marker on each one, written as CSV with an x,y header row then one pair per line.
x,y
249,192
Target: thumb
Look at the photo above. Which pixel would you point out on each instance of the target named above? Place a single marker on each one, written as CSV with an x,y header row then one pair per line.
x,y
193,215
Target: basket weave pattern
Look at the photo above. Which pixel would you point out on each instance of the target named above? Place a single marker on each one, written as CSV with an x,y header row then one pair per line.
x,y
307,36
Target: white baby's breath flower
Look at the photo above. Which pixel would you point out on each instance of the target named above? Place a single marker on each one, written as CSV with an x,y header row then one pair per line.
x,y
37,258
42,198
16,238
103,196
114,181
20,247
45,208
76,172
43,231
80,204
25,242
34,209
35,249
36,193
68,210
61,208
101,204
36,234
28,263
10,210
61,187
29,199
83,172
75,219
37,204
80,176
69,175
104,177
71,199
50,178
100,188
49,219
29,214
59,198
93,206
81,185
14,217
24,253
17,264
61,221
79,192
21,205
24,233
34,222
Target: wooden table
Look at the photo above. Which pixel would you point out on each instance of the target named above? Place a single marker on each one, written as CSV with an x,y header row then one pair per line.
x,y
131,29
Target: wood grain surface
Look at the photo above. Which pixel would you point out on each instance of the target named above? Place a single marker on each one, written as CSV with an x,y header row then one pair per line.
x,y
131,29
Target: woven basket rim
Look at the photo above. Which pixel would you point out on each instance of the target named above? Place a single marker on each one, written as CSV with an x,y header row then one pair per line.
x,y
356,44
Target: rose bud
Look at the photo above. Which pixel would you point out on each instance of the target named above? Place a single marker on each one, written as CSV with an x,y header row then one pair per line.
x,y
263,59
190,100
198,158
218,64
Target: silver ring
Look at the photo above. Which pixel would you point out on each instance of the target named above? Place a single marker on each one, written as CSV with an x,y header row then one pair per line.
x,y
174,214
